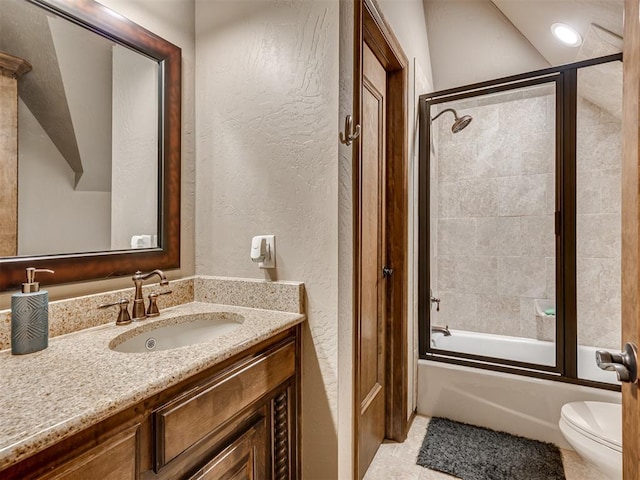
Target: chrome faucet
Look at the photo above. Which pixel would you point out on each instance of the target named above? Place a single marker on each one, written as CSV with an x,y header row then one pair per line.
x,y
444,330
138,301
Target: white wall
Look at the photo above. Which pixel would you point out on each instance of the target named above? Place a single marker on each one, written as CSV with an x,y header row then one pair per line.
x,y
267,163
84,60
134,168
463,31
49,209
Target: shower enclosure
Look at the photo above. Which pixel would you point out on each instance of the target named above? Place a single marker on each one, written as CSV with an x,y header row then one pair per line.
x,y
519,222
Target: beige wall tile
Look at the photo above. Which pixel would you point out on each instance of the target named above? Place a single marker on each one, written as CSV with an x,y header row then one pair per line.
x,y
611,191
457,310
522,195
550,193
528,115
522,276
498,155
550,267
469,198
538,152
499,314
589,191
538,236
456,161
599,301
599,235
467,274
598,279
456,236
599,147
498,236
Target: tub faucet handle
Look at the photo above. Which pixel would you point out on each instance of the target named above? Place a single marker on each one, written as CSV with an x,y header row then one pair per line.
x,y
625,363
436,301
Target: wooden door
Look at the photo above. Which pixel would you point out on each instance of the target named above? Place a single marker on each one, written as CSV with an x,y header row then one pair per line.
x,y
371,339
631,232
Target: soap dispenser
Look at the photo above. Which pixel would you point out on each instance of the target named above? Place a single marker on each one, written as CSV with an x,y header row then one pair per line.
x,y
30,316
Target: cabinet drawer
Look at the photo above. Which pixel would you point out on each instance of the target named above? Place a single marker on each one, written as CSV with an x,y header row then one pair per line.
x,y
190,418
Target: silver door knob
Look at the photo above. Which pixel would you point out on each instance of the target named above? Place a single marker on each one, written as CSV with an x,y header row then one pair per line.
x,y
625,363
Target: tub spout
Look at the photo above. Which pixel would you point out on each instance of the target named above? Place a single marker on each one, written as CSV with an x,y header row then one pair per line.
x,y
444,330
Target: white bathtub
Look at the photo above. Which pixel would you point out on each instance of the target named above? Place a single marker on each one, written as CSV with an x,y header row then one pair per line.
x,y
516,404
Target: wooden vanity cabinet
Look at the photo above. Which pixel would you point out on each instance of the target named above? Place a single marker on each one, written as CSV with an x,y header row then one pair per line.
x,y
236,420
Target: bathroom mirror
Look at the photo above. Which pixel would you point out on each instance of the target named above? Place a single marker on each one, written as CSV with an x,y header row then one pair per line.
x,y
99,139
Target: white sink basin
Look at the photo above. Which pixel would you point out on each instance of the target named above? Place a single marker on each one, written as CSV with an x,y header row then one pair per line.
x,y
203,328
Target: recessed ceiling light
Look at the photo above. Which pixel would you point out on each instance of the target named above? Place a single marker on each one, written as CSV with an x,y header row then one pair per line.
x,y
566,34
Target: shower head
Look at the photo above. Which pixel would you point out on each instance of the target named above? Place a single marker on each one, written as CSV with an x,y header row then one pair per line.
x,y
459,123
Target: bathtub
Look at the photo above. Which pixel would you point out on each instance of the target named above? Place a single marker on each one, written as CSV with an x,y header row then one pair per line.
x,y
517,404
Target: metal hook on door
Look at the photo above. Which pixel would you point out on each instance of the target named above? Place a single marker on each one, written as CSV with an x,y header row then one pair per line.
x,y
349,134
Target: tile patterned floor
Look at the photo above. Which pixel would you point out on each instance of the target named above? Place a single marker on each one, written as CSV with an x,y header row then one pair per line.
x,y
397,461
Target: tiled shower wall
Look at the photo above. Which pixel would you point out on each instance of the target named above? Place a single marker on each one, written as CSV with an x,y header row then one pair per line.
x,y
495,242
598,226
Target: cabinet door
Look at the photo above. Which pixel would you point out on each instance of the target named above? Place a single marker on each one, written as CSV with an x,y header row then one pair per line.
x,y
244,459
114,459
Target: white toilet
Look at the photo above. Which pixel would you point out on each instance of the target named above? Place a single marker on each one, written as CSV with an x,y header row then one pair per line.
x,y
594,430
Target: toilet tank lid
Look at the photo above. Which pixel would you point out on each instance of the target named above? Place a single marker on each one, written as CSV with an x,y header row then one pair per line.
x,y
600,419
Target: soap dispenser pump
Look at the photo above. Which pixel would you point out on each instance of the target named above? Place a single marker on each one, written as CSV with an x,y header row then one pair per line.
x,y
30,316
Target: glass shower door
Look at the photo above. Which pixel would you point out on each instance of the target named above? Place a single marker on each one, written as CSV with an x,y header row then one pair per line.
x,y
492,225
598,225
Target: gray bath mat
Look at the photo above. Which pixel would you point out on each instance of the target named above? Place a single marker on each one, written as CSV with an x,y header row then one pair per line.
x,y
476,453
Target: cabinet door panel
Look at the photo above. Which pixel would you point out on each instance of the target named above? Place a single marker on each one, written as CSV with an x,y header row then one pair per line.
x,y
114,459
242,460
187,420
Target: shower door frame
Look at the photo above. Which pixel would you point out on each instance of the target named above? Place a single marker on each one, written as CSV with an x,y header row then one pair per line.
x,y
566,343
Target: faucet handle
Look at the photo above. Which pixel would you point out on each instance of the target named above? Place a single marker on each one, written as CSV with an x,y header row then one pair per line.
x,y
123,315
153,310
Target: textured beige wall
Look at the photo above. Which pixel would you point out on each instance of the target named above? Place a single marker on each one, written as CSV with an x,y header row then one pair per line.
x,y
267,163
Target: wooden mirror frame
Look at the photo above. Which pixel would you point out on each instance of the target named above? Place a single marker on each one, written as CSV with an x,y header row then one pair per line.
x,y
101,265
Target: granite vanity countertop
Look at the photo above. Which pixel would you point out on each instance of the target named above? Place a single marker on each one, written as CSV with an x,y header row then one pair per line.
x,y
78,380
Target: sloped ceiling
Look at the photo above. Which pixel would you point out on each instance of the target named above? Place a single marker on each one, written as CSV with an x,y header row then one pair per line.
x,y
477,40
26,34
533,18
